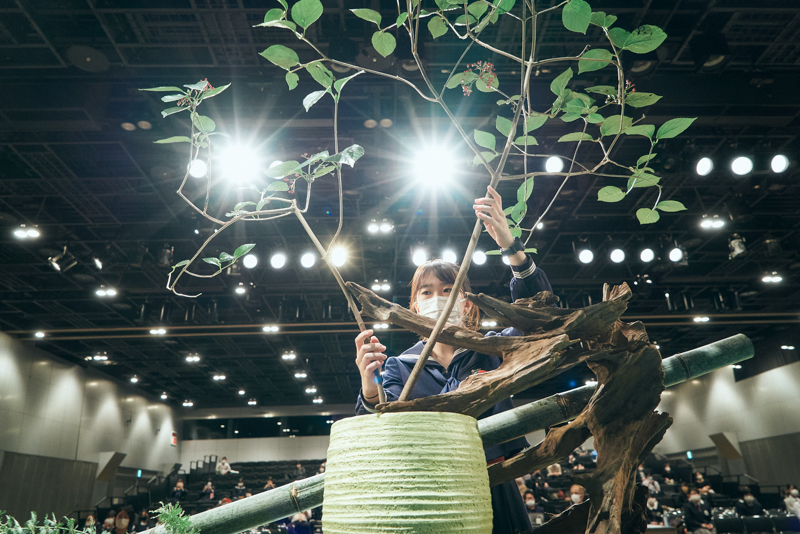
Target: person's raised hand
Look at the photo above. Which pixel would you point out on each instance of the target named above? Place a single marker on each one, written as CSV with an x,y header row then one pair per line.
x,y
490,212
369,358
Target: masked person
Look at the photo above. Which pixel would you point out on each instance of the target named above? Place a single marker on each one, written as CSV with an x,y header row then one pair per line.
x,y
108,522
792,502
748,505
577,494
178,492
208,492
655,513
122,522
143,523
696,515
238,491
448,365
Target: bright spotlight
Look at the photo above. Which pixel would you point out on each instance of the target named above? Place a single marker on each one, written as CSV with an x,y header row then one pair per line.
x,y
779,163
701,319
250,261
717,223
479,257
111,292
32,232
617,255
20,233
240,290
675,255
419,257
373,227
100,293
376,287
289,355
586,256
449,256
647,255
308,260
742,165
705,166
772,278
39,334
339,256
134,379
386,227
433,167
97,263
164,396
540,226
270,328
787,347
301,374
278,260
706,223
554,164
198,168
385,287
239,163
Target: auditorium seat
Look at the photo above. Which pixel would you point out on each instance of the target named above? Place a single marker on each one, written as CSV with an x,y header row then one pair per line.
x,y
786,524
758,523
728,524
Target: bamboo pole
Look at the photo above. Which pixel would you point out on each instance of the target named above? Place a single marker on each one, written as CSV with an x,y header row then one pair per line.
x,y
305,494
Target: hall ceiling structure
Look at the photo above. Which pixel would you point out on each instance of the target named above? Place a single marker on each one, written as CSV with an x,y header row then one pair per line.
x,y
71,70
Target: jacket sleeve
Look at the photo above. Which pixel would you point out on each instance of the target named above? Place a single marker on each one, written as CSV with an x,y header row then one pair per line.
x,y
392,385
528,280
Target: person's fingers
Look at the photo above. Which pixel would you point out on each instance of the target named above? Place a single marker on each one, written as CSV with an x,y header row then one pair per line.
x,y
371,368
494,194
361,337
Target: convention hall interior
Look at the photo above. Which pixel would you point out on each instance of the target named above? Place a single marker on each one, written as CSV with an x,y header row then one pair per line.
x,y
121,389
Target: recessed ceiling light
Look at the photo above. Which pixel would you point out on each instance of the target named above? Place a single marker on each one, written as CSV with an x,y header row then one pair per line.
x,y
39,334
301,374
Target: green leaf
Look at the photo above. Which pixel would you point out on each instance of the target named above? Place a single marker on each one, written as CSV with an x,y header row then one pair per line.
x,y
673,128
462,20
526,140
485,139
503,125
461,78
576,16
610,20
306,12
368,15
181,264
224,256
172,98
199,86
169,111
321,74
640,100
274,14
644,39
618,36
278,186
284,169
348,156
339,84
569,117
213,261
262,203
494,252
525,190
401,18
670,206
602,89
516,231
486,86
598,18
384,43
488,156
323,170
163,89
595,118
312,98
610,194
611,126
518,211
597,53
280,24
281,56
558,85
203,123
535,122
643,179
213,92
444,5
241,205
243,249
292,79
477,9
174,139
644,159
641,129
647,216
575,136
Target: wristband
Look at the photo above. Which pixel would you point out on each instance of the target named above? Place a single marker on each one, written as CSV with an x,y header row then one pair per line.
x,y
373,397
515,247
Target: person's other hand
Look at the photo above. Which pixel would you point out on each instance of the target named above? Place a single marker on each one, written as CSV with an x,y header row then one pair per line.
x,y
369,358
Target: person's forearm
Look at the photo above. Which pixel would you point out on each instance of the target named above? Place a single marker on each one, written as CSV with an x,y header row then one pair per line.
x,y
517,259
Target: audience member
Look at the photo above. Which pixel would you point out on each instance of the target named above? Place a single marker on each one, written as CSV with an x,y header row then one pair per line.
x,y
122,522
178,492
652,485
700,480
696,515
222,502
748,505
239,491
792,501
208,492
554,470
577,494
321,469
299,472
143,523
705,490
270,484
655,513
223,467
683,496
535,512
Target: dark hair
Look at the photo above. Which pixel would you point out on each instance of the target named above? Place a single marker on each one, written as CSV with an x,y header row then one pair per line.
x,y
445,272
693,489
528,493
746,492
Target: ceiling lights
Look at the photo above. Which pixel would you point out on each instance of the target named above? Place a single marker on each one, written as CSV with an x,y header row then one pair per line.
x,y
300,374
193,358
712,222
188,404
240,289
383,227
702,319
779,163
647,255
278,260
317,400
617,255
311,389
742,165
252,402
250,261
39,334
105,292
240,164
164,396
62,262
26,233
220,377
158,331
134,379
787,347
704,166
338,256
772,278
449,256
380,326
198,168
381,286
554,164
488,323
289,355
270,328
308,260
479,257
419,257
241,392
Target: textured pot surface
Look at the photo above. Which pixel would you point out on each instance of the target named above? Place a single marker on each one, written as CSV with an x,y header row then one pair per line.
x,y
407,472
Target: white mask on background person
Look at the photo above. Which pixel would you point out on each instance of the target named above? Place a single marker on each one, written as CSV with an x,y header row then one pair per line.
x,y
794,493
530,503
122,522
575,498
749,499
695,498
434,306
652,503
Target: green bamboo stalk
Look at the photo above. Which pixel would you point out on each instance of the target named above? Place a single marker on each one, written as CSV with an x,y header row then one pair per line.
x,y
305,494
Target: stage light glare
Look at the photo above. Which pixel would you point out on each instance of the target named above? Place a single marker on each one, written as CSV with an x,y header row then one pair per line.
x,y
787,347
339,256
20,233
164,396
312,389
134,379
251,402
386,227
617,255
647,255
772,278
100,292
701,319
111,292
188,404
270,328
704,166
239,163
433,167
240,290
32,232
479,257
376,287
540,226
241,392
706,223
779,163
586,256
301,374
198,168
717,223
385,287
308,260
742,165
98,263
278,260
675,255
250,261
318,400
554,164
449,256
373,227
419,257
39,334
289,355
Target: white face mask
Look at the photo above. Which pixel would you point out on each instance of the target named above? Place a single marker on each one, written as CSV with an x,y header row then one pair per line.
x,y
530,504
749,499
434,306
575,498
794,493
695,498
122,523
652,504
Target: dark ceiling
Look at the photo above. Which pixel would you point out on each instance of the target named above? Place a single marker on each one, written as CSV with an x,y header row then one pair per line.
x,y
68,166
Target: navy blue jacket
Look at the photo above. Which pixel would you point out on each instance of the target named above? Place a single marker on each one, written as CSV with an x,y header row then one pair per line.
x,y
695,515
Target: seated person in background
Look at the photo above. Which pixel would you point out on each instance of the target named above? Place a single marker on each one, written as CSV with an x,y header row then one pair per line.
x,y
143,523
270,484
90,523
579,467
178,492
577,494
239,491
640,474
655,513
683,496
748,505
108,523
208,492
535,512
704,491
247,494
792,501
223,467
122,522
700,480
554,470
696,515
299,472
321,469
652,485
